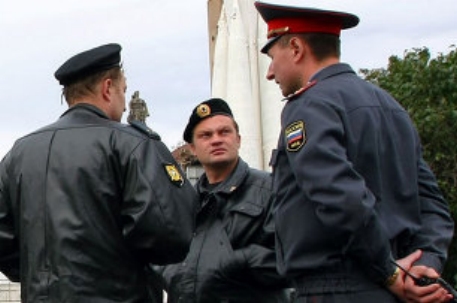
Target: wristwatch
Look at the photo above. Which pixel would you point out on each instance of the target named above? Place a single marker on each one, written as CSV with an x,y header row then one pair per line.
x,y
391,280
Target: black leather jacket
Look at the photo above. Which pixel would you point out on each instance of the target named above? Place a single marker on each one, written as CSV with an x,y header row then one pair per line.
x,y
87,203
232,256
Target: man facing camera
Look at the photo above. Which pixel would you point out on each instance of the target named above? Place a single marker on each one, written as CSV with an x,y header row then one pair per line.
x,y
232,257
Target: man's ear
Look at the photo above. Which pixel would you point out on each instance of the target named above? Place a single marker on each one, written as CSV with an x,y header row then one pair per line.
x,y
297,46
106,86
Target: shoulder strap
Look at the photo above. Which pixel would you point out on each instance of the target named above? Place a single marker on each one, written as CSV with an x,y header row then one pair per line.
x,y
145,129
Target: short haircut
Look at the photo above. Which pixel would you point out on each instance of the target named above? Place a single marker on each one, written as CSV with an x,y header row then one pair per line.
x,y
323,46
86,86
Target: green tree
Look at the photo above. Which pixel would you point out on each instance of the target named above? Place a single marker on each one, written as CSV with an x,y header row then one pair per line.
x,y
427,88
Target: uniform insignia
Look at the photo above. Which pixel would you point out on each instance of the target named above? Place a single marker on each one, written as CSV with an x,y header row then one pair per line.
x,y
300,91
203,110
174,174
295,136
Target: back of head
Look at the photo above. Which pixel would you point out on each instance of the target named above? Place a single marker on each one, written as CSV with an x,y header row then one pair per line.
x,y
81,72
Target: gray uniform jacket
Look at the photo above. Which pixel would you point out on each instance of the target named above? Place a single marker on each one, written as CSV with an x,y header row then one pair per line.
x,y
232,256
85,204
352,187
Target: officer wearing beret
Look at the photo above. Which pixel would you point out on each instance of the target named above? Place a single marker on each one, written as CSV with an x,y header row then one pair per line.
x,y
353,191
231,258
87,202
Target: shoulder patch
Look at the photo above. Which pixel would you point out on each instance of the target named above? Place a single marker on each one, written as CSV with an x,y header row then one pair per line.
x,y
295,135
174,175
145,129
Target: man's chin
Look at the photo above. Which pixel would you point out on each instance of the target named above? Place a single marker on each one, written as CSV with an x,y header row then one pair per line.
x,y
284,92
221,162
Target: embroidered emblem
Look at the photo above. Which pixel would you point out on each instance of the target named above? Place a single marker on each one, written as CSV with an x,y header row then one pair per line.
x,y
203,110
295,135
174,174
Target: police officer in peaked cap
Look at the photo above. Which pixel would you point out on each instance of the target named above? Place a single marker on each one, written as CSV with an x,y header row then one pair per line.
x,y
354,196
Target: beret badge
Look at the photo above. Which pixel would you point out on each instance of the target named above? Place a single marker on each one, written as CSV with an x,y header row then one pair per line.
x,y
203,110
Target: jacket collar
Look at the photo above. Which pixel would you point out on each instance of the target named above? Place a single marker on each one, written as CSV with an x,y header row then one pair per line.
x,y
229,185
85,107
331,71
326,72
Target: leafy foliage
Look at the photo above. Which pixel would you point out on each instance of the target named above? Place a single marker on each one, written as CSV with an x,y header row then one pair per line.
x,y
427,88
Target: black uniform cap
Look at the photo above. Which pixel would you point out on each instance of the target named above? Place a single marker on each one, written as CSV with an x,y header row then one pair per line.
x,y
88,63
209,108
289,19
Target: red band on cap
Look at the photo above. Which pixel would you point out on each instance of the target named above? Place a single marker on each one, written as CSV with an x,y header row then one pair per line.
x,y
302,25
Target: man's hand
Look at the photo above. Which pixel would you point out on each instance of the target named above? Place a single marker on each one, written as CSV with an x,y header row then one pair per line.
x,y
406,289
433,293
398,287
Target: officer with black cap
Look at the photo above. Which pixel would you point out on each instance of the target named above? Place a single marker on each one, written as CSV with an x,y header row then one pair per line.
x,y
232,257
209,108
86,203
87,63
353,193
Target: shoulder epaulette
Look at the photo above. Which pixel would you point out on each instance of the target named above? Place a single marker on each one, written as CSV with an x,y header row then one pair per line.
x,y
145,129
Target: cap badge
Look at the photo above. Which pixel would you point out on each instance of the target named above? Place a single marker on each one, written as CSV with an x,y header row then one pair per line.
x,y
277,32
203,110
295,136
174,174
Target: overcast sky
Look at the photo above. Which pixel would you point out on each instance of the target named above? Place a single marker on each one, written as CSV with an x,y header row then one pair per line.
x,y
165,50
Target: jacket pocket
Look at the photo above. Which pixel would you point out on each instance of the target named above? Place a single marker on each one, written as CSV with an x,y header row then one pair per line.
x,y
244,223
248,209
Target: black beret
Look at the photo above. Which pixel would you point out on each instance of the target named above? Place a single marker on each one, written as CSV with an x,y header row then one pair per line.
x,y
282,19
209,108
88,63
